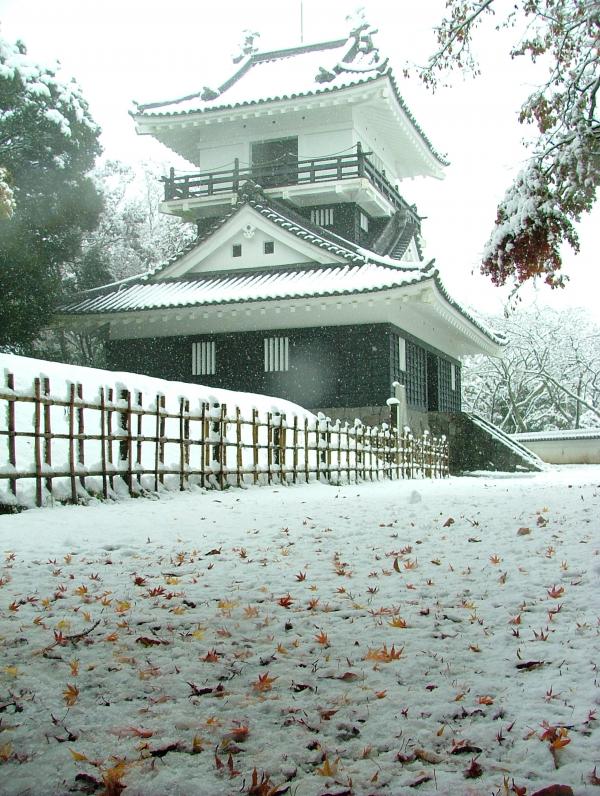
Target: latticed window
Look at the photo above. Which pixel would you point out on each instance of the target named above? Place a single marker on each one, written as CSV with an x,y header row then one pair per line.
x,y
323,216
449,386
277,354
416,375
204,361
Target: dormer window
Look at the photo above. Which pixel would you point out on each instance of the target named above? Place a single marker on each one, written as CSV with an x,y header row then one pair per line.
x,y
236,250
269,246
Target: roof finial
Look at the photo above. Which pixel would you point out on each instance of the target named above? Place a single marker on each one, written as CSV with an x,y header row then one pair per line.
x,y
247,46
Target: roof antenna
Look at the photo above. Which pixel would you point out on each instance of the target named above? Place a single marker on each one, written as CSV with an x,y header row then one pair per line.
x,y
301,22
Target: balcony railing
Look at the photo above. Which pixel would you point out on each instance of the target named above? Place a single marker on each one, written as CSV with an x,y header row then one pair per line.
x,y
284,173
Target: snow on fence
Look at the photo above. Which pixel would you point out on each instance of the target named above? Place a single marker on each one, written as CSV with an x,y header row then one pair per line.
x,y
122,440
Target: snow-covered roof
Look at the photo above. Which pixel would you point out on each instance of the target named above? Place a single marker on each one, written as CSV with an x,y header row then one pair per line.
x,y
558,434
363,271
291,73
256,285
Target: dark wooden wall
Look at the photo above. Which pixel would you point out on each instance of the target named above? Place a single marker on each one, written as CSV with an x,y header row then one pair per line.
x,y
345,366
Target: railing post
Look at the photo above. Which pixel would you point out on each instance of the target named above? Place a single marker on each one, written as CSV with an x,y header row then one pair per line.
x,y
360,160
170,185
236,175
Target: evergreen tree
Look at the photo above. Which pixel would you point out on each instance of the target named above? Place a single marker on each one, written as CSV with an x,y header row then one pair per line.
x,y
48,144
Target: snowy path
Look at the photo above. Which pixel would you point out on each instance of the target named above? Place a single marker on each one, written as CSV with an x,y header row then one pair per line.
x,y
354,640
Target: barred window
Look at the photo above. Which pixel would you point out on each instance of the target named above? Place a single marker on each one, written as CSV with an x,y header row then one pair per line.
x,y
236,250
323,216
277,354
204,361
453,376
269,246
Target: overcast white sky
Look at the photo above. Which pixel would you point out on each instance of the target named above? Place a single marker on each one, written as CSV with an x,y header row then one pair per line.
x,y
149,50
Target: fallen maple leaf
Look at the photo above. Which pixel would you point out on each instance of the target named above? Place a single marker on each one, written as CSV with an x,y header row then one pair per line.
x,y
384,655
474,770
322,638
485,700
556,592
78,756
285,601
450,521
327,769
264,682
70,695
397,621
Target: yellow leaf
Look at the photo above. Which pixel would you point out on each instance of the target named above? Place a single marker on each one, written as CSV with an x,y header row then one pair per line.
x,y
122,606
6,751
171,580
64,624
11,671
198,634
197,744
87,616
70,695
327,770
78,756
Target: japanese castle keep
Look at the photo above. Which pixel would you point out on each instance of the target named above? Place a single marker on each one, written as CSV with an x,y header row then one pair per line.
x,y
306,280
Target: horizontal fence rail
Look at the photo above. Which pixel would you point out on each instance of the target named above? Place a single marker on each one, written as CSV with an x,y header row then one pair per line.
x,y
70,448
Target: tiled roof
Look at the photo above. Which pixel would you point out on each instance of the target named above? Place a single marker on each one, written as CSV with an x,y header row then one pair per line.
x,y
558,435
364,271
291,221
246,285
288,74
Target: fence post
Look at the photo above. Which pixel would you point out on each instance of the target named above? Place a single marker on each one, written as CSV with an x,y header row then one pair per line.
x,y
223,446
109,436
80,435
269,447
125,443
156,441
204,445
182,444
47,434
238,446
72,442
282,448
139,427
295,453
103,442
306,452
12,447
255,426
37,445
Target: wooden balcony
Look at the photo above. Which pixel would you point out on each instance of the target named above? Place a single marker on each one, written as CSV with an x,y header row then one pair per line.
x,y
285,173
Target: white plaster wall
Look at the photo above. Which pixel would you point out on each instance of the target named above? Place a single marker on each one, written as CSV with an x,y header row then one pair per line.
x,y
253,255
219,158
374,140
567,451
318,144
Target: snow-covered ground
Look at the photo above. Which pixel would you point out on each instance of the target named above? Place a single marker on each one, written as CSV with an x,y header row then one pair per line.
x,y
353,640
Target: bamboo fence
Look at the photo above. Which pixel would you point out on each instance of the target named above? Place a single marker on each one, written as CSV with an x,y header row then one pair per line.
x,y
70,448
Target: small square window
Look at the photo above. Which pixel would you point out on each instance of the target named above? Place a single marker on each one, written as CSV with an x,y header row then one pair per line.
x,y
237,250
364,222
269,246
